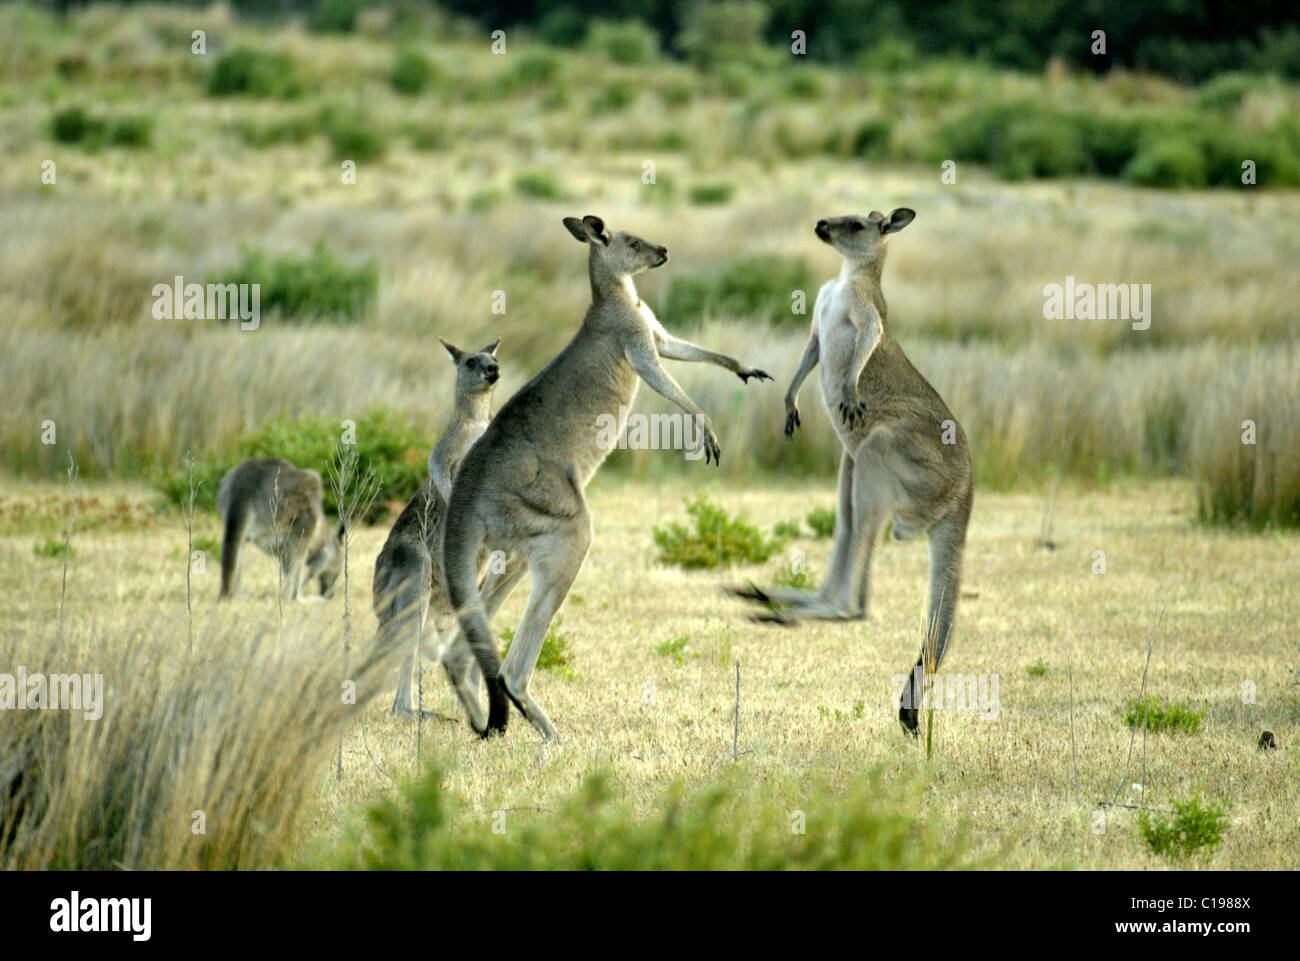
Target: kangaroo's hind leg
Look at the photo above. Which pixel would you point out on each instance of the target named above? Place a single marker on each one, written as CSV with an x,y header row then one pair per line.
x,y
457,659
554,560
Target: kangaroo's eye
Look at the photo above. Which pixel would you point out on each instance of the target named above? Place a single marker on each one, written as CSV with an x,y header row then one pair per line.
x,y
857,225
636,245
471,363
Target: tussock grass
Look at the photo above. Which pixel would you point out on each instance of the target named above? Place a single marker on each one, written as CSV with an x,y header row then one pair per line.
x,y
240,733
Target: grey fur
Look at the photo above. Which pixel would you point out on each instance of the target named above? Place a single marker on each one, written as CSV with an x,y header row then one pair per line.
x,y
278,507
409,587
896,465
521,487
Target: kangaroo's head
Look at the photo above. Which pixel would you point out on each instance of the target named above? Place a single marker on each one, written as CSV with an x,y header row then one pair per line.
x,y
329,555
615,256
863,238
476,373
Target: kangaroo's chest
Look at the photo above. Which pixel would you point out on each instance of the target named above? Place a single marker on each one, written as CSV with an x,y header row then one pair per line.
x,y
838,335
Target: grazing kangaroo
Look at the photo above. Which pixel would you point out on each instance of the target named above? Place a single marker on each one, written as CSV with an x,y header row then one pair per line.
x,y
905,456
409,582
520,488
278,507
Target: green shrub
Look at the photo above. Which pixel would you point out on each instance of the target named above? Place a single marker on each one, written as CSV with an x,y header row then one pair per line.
x,y
538,184
758,286
562,26
1158,714
675,648
803,84
298,128
1110,140
1168,163
1194,827
716,540
739,821
353,135
822,522
316,286
1039,147
335,16
1277,162
614,97
871,140
254,73
411,73
534,69
135,130
386,444
1225,92
75,125
54,547
1037,669
787,530
554,655
626,41
714,193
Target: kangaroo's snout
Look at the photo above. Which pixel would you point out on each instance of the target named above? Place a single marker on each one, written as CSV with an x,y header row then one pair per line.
x,y
822,230
492,374
663,257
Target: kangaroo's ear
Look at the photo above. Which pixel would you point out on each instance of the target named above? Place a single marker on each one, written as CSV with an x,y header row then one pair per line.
x,y
576,228
899,219
492,347
456,352
595,228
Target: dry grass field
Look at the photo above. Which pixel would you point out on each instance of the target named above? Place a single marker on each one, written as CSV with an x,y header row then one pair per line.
x,y
814,699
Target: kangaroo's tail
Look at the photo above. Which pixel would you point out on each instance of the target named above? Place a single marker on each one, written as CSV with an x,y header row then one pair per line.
x,y
231,543
462,542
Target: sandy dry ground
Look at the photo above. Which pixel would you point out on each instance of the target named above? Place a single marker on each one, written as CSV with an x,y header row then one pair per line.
x,y
817,696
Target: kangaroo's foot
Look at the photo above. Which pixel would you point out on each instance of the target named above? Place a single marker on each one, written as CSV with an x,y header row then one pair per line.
x,y
910,718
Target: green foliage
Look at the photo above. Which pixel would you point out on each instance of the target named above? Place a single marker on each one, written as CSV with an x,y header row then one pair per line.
x,y
736,822
133,130
554,655
1037,669
297,128
533,69
675,648
75,125
313,286
353,135
716,539
856,714
1041,147
1194,827
712,193
757,286
1175,162
787,576
728,32
625,41
411,72
254,73
822,521
787,530
1225,92
54,547
614,97
1158,714
386,444
538,184
335,16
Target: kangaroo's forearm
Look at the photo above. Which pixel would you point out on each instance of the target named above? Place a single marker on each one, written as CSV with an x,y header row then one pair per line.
x,y
661,382
671,348
811,354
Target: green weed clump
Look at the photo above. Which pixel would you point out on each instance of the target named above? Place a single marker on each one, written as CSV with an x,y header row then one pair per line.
x,y
1159,714
554,655
822,521
245,71
1194,827
716,539
314,286
412,72
759,286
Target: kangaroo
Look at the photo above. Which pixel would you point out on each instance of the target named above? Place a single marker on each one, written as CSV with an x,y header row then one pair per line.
x,y
905,456
408,581
521,487
278,507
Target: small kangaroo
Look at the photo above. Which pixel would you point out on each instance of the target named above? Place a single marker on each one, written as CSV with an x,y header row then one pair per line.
x,y
520,488
408,581
278,507
905,456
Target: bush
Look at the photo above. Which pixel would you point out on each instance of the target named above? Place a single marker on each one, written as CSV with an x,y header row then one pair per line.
x,y
1158,714
717,539
554,655
1168,163
254,73
1039,147
411,73
353,136
614,97
316,286
715,193
392,447
821,520
737,822
1193,827
335,16
533,69
74,125
1226,91
759,286
539,184
562,27
135,130
871,140
626,41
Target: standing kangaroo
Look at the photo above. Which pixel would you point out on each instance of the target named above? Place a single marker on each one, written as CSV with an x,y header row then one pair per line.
x,y
905,456
408,579
278,507
520,488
